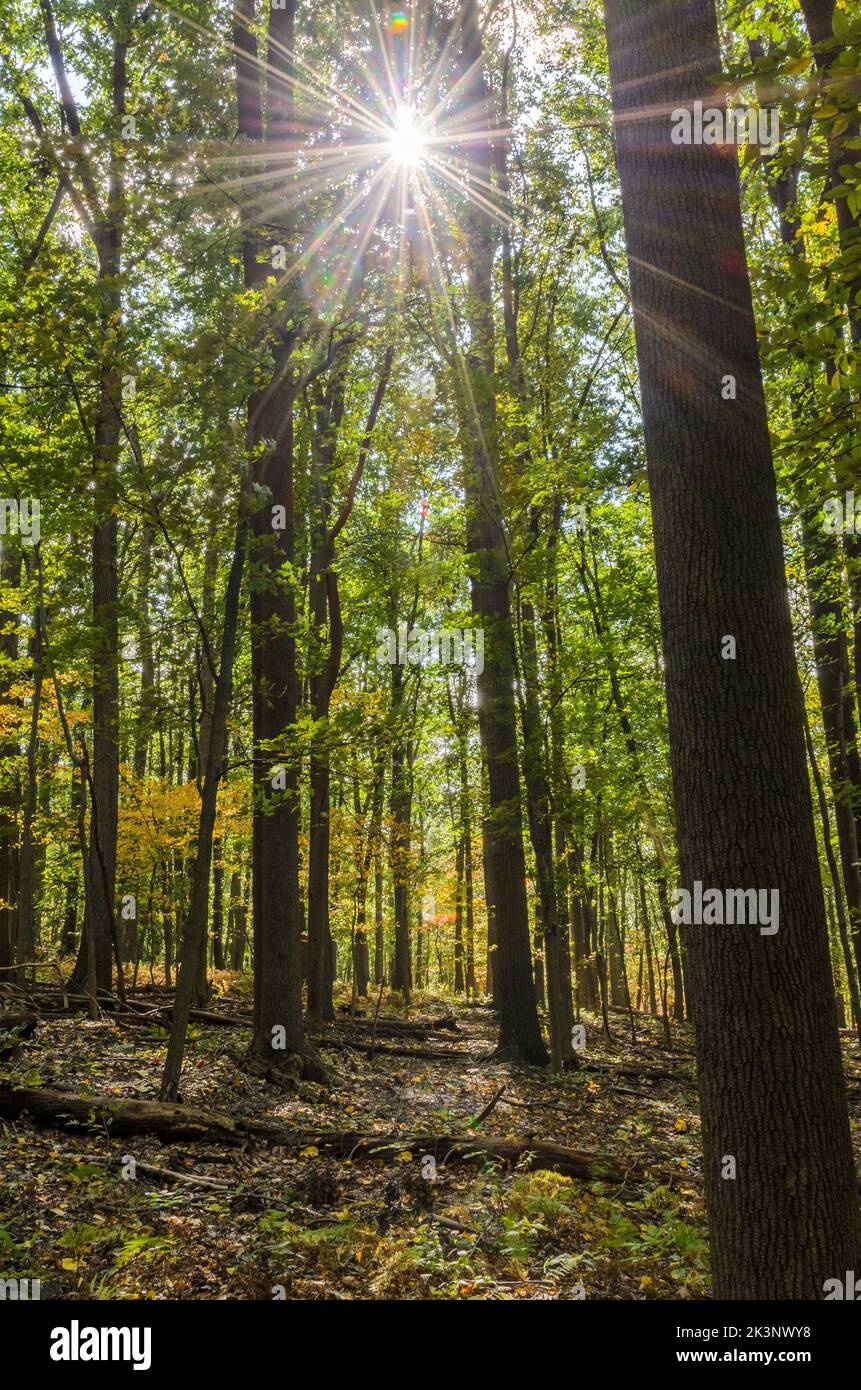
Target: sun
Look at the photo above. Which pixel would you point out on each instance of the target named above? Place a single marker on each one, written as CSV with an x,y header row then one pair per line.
x,y
407,141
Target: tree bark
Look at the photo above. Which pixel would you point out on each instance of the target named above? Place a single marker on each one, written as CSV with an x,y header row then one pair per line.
x,y
10,577
520,1037
771,1084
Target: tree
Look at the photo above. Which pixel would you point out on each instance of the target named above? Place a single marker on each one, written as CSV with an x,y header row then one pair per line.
x,y
519,1031
772,1093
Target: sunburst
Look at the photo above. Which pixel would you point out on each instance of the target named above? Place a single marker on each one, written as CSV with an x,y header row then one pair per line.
x,y
407,143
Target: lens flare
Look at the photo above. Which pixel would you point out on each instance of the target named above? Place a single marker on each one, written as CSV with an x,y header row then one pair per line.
x,y
407,141
399,23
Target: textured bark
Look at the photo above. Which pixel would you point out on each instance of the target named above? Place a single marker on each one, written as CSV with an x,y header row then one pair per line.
x,y
278,1034
519,1030
535,760
237,922
459,980
540,819
400,805
327,626
10,576
28,864
379,941
459,714
99,922
367,820
771,1085
647,936
217,906
277,905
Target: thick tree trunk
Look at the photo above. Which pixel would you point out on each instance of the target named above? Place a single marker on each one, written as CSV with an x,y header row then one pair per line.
x,y
771,1084
277,906
278,1037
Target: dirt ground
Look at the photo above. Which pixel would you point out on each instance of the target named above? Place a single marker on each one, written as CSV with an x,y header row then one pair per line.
x,y
306,1225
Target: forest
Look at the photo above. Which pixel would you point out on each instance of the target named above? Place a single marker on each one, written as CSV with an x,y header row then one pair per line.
x,y
430,650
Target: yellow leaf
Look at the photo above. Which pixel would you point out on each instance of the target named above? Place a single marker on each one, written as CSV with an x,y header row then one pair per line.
x,y
681,1126
310,1152
71,1265
404,1156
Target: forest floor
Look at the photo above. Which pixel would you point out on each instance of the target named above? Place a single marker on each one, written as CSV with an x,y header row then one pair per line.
x,y
309,1225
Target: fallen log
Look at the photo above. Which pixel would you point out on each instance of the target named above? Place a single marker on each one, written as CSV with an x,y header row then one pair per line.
x,y
422,1054
450,1149
164,1013
24,1022
633,1073
417,1027
67,1111
172,1122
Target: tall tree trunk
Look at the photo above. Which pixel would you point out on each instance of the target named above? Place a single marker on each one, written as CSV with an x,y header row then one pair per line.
x,y
145,654
99,920
217,906
594,598
839,898
459,981
379,941
647,937
839,83
278,1036
772,1092
519,1030
10,578
832,675
194,933
236,922
401,811
325,601
28,864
